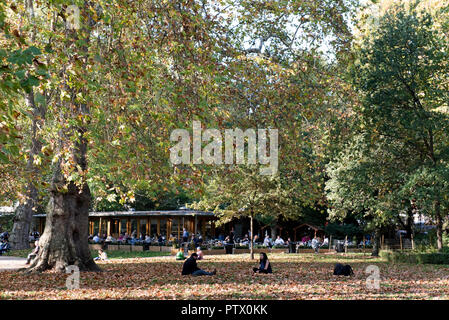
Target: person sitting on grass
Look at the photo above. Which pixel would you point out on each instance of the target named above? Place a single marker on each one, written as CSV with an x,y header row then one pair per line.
x,y
190,267
265,265
180,255
34,253
199,253
101,255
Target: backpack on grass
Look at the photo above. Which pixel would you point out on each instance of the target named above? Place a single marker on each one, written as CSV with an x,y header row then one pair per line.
x,y
343,270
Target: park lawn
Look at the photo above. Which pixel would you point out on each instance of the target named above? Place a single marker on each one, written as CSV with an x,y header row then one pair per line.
x,y
296,276
111,254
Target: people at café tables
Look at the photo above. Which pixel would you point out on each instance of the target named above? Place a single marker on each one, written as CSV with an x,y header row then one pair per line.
x,y
160,239
267,241
279,241
245,240
256,239
96,238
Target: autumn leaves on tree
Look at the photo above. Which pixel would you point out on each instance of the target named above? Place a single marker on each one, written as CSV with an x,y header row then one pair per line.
x,y
91,90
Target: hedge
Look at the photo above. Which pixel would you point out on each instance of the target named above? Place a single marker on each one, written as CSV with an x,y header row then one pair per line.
x,y
416,257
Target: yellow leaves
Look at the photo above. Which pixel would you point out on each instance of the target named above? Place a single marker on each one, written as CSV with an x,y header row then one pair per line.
x,y
111,197
37,161
47,150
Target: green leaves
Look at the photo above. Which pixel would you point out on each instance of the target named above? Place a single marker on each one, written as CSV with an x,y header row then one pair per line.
x,y
396,157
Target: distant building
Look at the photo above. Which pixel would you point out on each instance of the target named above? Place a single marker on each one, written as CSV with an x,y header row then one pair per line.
x,y
169,223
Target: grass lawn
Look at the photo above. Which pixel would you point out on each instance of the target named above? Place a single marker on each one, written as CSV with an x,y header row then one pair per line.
x,y
111,254
296,276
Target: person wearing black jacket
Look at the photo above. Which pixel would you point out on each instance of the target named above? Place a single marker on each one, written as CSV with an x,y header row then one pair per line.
x,y
190,268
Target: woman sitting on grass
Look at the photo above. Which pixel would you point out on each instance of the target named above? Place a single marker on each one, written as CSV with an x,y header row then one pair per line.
x,y
180,255
101,255
265,265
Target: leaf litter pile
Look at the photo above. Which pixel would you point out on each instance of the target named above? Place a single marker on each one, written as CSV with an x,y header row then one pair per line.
x,y
295,276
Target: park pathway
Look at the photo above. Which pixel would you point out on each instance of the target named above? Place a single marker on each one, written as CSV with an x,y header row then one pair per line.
x,y
11,263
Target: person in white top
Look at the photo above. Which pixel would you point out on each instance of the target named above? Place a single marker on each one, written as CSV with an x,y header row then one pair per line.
x,y
101,255
266,241
279,241
96,238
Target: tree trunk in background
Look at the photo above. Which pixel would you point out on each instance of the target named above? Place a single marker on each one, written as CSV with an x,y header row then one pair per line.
x,y
376,243
24,213
410,222
439,222
273,233
251,242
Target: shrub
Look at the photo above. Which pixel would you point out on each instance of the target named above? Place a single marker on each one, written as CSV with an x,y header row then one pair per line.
x,y
416,257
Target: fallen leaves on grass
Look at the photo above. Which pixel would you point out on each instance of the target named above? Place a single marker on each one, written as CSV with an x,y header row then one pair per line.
x,y
304,276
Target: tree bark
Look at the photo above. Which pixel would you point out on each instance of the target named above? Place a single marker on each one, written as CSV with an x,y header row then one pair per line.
x,y
273,232
65,238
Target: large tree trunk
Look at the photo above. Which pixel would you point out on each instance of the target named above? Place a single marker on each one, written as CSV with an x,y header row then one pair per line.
x,y
22,221
65,238
439,222
64,241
